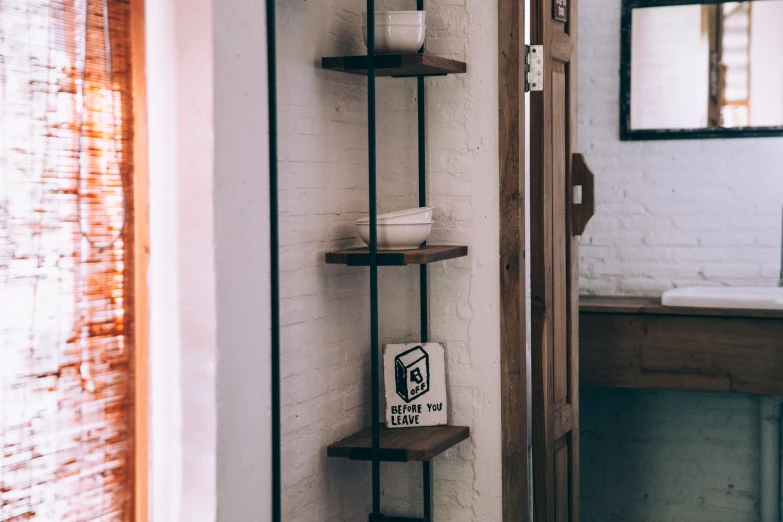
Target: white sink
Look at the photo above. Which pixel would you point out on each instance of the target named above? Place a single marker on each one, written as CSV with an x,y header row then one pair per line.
x,y
757,297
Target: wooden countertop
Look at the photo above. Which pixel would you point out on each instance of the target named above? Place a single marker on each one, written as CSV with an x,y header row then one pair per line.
x,y
632,342
648,305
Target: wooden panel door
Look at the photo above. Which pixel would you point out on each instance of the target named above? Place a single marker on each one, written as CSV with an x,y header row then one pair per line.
x,y
555,221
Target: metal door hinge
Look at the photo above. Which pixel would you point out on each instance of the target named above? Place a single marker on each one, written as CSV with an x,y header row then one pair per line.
x,y
534,68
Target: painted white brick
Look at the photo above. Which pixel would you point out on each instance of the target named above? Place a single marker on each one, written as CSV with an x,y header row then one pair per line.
x,y
325,309
668,456
680,200
668,214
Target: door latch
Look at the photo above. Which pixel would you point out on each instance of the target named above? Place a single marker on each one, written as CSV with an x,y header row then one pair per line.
x,y
534,68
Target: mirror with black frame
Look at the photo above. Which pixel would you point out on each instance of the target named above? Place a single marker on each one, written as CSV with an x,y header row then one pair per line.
x,y
701,70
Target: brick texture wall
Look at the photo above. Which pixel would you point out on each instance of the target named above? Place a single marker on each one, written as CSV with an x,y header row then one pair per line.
x,y
669,456
668,214
325,309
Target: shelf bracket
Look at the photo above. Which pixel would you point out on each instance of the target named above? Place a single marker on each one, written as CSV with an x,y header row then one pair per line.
x,y
534,68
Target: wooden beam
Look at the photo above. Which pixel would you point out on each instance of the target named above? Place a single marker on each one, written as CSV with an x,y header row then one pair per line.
x,y
141,248
513,341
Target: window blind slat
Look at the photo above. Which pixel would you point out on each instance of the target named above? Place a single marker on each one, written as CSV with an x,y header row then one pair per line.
x,y
66,261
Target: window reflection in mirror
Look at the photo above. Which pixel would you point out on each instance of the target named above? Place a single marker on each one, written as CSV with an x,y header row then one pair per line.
x,y
716,66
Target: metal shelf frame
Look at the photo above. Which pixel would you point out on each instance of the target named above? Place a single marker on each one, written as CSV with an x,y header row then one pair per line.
x,y
373,263
274,262
423,300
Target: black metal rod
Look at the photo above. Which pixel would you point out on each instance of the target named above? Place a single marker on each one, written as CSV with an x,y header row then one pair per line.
x,y
423,300
427,491
423,303
423,311
375,378
422,147
422,143
274,263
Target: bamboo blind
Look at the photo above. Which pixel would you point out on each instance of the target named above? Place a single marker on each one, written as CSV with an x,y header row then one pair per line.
x,y
66,261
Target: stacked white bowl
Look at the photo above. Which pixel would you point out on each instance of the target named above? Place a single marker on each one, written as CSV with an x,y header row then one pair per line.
x,y
397,31
401,230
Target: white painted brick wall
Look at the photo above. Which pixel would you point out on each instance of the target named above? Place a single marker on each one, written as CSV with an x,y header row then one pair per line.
x,y
669,213
668,456
325,309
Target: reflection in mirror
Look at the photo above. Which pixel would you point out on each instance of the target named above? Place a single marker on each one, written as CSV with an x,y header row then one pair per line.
x,y
716,66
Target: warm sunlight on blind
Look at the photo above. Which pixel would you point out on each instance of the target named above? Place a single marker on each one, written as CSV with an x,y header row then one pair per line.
x,y
66,236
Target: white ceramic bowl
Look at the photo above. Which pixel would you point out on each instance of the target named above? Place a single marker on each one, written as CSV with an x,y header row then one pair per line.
x,y
392,39
397,17
409,215
400,236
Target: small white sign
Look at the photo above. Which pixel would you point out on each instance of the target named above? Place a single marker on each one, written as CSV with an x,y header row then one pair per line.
x,y
415,380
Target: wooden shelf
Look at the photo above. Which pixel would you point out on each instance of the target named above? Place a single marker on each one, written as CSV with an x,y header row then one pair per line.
x,y
635,342
384,518
400,444
420,256
396,65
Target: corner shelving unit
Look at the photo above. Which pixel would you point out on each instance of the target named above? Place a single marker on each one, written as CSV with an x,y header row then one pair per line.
x,y
378,443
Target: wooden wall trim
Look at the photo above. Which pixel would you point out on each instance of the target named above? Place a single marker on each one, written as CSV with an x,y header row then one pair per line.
x,y
141,259
513,355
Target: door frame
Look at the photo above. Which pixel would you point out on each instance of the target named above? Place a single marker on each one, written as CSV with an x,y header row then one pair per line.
x,y
515,413
526,372
141,250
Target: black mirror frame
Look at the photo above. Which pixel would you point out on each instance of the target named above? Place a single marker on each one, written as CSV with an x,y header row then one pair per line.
x,y
626,133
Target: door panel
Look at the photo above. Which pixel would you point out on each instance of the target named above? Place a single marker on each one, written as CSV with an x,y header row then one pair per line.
x,y
554,283
562,501
559,295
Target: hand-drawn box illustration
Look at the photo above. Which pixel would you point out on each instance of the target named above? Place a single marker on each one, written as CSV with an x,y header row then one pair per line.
x,y
412,373
415,381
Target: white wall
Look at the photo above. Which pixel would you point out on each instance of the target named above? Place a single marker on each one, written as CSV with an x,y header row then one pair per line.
x,y
668,213
182,348
325,308
209,273
241,246
662,456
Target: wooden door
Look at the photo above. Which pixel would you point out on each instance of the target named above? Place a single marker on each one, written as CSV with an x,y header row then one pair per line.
x,y
555,222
